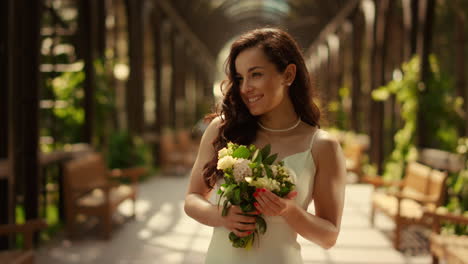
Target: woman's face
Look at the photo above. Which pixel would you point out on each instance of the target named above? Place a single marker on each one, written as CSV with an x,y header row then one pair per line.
x,y
262,87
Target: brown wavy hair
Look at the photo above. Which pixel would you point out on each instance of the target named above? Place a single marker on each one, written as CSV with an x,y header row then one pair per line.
x,y
237,124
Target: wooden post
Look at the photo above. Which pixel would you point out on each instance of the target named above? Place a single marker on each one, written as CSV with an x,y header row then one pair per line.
x,y
426,18
4,77
384,9
6,35
176,80
24,112
179,82
356,94
101,15
157,39
410,15
134,93
460,61
87,34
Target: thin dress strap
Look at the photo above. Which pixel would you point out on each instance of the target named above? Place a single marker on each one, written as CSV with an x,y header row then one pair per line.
x,y
313,138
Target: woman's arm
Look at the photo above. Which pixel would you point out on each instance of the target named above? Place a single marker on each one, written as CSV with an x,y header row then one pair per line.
x,y
328,194
197,205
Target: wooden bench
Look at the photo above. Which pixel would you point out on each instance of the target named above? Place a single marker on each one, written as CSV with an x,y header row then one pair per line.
x,y
422,186
89,190
453,249
354,154
178,152
25,256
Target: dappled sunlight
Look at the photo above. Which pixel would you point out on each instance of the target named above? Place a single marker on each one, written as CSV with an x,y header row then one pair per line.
x,y
163,233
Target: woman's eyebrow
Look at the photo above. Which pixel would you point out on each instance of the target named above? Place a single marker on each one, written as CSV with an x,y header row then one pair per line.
x,y
254,68
250,69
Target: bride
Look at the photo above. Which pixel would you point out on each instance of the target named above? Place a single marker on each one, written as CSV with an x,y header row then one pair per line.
x,y
268,100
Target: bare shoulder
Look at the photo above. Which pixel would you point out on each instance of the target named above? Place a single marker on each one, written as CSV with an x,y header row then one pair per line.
x,y
326,149
213,128
325,142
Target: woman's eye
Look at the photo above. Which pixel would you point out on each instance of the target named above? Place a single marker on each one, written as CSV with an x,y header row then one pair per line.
x,y
257,74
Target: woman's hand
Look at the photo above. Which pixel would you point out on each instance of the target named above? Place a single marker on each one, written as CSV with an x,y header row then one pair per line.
x,y
270,204
240,223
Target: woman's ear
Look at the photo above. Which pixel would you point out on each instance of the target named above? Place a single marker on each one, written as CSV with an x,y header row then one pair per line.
x,y
289,74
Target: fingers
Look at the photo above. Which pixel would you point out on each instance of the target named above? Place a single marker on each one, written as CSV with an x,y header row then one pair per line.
x,y
241,233
245,226
239,223
291,195
270,197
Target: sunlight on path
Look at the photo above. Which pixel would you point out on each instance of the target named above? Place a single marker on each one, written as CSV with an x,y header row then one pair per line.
x,y
163,234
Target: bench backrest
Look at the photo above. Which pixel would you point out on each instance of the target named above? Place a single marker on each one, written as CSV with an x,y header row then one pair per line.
x,y
354,151
424,180
85,174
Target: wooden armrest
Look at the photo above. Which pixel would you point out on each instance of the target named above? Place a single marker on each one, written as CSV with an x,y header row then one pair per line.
x,y
105,186
379,182
132,173
29,226
27,229
418,198
446,216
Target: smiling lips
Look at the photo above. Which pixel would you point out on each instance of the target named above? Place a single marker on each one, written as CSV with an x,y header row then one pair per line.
x,y
254,99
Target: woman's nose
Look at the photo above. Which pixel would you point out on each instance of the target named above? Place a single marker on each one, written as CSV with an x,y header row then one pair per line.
x,y
246,87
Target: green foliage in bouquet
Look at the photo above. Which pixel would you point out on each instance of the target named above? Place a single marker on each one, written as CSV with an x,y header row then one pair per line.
x,y
242,181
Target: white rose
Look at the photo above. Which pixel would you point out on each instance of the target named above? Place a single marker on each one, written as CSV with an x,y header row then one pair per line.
x,y
224,152
226,163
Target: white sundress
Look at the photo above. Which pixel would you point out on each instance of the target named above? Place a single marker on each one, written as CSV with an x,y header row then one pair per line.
x,y
279,244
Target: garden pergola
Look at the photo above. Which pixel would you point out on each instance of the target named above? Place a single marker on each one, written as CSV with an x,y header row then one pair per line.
x,y
357,44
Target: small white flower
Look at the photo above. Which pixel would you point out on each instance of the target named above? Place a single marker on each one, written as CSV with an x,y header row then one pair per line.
x,y
242,170
226,163
266,183
274,169
248,179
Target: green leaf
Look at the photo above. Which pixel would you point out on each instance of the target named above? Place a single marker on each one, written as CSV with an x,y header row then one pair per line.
x,y
258,158
271,159
236,198
247,207
228,191
268,171
241,152
255,154
261,225
233,237
225,208
266,150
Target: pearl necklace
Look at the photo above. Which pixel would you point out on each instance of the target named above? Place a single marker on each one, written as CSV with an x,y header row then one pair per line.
x,y
280,130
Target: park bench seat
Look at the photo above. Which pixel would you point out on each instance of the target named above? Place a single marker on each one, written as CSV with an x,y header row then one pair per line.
x,y
90,190
422,186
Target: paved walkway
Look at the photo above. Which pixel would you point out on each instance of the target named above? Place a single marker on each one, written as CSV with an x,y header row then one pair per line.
x,y
163,234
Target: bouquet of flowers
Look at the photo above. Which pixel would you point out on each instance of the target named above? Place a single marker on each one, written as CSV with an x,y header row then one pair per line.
x,y
245,169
